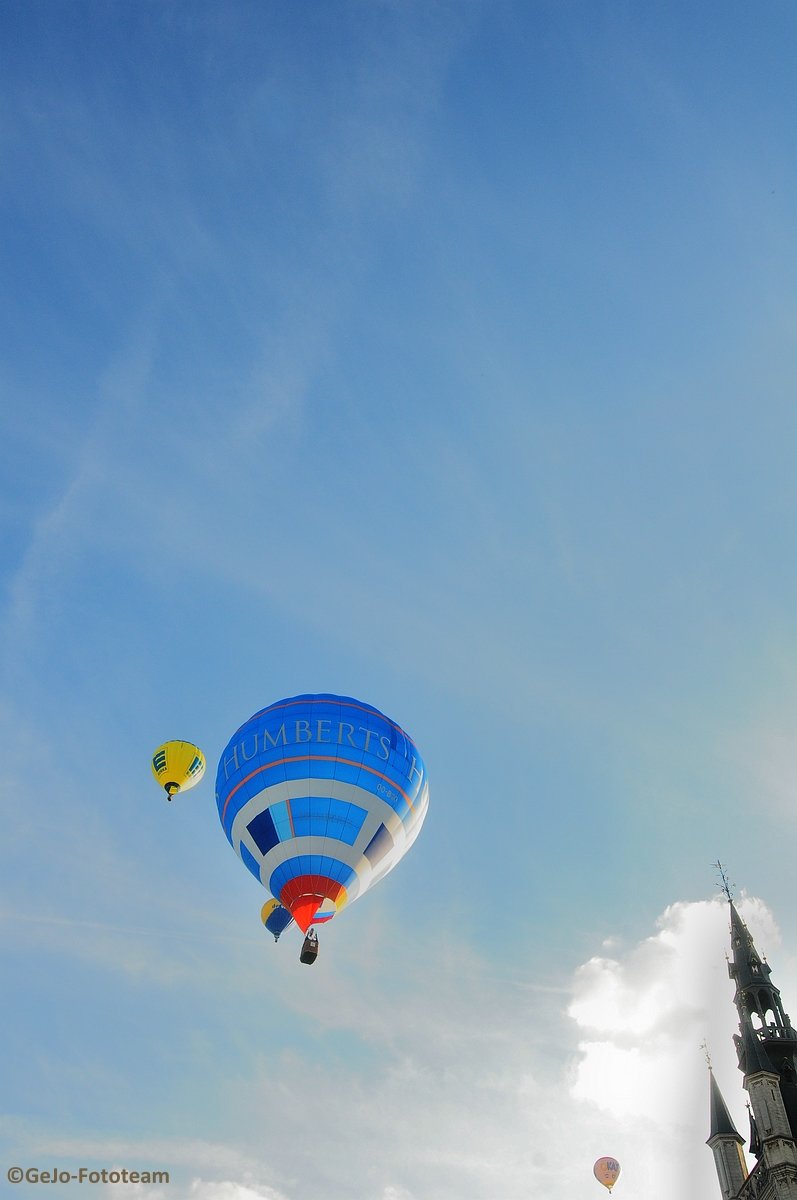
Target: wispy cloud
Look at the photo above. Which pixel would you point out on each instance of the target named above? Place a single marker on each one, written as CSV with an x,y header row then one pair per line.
x,y
66,529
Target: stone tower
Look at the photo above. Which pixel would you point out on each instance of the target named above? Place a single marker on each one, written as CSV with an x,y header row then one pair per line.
x,y
766,1046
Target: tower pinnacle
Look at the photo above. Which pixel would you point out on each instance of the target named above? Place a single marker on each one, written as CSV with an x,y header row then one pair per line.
x,y
725,885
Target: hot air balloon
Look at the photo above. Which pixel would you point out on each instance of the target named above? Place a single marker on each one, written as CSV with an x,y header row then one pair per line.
x,y
178,766
275,918
607,1171
320,796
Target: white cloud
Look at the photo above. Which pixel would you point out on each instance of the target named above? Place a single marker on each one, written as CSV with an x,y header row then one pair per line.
x,y
202,1190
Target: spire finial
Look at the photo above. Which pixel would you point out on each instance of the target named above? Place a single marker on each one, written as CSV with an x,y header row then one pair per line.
x,y
704,1048
724,885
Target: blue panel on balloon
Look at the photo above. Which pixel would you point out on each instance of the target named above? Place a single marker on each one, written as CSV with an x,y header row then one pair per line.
x,y
263,832
282,820
345,821
249,861
379,845
322,816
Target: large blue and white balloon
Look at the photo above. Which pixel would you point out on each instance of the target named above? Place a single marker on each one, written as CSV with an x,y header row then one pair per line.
x,y
320,796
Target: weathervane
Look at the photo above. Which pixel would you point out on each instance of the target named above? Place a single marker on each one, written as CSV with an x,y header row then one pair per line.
x,y
724,885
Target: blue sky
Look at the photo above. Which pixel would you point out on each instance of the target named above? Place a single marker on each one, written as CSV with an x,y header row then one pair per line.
x,y
440,355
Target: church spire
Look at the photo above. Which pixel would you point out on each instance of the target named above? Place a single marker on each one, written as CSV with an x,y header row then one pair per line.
x,y
726,1144
721,1121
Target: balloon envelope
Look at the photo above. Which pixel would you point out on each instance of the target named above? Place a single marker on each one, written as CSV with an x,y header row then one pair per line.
x,y
178,766
607,1171
320,796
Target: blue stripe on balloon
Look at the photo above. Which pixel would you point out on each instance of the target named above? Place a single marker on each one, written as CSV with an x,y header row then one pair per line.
x,y
347,772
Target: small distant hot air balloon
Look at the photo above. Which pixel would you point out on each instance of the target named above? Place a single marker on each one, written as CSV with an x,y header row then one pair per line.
x,y
607,1171
320,796
178,766
275,918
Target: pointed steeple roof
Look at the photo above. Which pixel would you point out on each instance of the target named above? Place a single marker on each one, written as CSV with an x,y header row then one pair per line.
x,y
747,967
721,1121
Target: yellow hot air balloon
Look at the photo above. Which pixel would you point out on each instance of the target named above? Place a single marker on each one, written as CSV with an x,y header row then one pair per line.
x,y
178,766
607,1171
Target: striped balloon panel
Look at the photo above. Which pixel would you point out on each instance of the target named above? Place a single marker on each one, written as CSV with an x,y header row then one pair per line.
x,y
320,796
